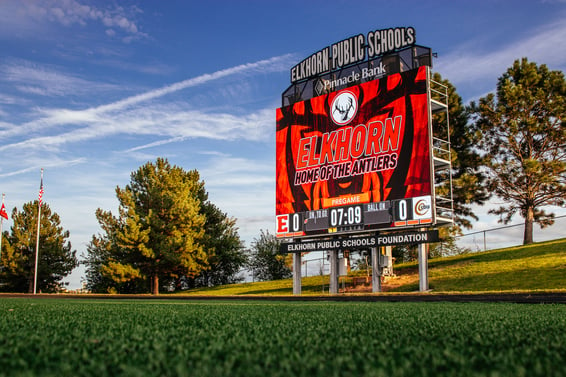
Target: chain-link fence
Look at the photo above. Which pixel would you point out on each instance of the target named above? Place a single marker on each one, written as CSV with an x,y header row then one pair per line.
x,y
510,235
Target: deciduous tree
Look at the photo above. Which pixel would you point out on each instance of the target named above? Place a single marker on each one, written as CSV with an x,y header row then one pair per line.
x,y
266,263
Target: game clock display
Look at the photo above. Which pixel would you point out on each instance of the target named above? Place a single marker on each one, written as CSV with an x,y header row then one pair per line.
x,y
358,217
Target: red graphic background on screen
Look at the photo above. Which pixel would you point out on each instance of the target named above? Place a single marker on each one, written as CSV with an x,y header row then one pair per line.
x,y
382,153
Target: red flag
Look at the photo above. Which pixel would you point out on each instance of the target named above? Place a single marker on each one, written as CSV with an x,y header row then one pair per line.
x,y
3,212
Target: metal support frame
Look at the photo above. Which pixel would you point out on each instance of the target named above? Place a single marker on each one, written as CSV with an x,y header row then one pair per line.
x,y
297,273
423,267
376,270
333,271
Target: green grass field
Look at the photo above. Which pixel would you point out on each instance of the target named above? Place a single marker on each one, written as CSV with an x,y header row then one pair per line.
x,y
103,337
54,337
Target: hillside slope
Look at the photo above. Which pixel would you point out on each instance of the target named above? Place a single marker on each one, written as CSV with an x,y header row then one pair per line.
x,y
537,267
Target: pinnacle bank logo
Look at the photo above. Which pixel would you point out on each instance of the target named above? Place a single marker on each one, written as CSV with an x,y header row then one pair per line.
x,y
344,108
322,86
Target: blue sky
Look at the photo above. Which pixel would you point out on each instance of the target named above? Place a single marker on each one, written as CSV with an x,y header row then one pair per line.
x,y
91,90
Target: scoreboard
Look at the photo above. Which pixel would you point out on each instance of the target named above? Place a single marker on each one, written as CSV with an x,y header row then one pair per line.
x,y
388,214
357,159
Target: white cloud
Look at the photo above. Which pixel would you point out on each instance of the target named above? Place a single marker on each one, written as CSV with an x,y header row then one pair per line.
x,y
72,12
51,163
8,100
133,115
274,64
227,171
153,121
156,144
244,188
472,65
32,78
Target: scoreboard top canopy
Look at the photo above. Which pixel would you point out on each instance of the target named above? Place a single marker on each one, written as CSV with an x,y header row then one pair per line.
x,y
353,50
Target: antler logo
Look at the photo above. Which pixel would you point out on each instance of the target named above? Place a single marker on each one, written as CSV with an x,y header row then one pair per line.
x,y
344,107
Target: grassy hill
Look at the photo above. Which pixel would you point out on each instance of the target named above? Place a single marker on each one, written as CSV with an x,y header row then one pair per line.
x,y
537,267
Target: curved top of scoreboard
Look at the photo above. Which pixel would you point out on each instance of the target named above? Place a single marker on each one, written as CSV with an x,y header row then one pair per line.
x,y
355,60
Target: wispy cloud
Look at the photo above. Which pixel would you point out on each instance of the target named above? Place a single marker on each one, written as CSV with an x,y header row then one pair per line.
x,y
244,188
128,116
156,144
269,65
37,79
158,122
472,64
8,100
116,21
228,171
44,164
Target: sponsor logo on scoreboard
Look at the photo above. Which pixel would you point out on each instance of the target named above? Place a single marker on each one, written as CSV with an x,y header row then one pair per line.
x,y
422,207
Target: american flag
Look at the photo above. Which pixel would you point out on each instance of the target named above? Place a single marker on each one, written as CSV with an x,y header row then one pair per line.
x,y
41,188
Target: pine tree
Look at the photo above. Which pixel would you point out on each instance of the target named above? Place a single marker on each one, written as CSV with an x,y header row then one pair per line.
x,y
158,232
56,258
524,141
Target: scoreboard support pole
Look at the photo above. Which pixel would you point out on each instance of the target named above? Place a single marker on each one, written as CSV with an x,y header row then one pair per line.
x,y
333,272
375,270
423,267
389,259
297,259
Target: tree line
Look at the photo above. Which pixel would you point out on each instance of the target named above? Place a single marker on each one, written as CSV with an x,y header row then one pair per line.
x,y
167,234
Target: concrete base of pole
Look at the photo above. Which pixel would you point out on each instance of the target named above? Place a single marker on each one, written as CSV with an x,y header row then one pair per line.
x,y
297,273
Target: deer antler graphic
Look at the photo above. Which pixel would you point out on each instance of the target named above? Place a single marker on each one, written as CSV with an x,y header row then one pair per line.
x,y
344,110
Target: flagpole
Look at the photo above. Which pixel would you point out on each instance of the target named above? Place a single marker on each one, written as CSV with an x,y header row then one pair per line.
x,y
37,241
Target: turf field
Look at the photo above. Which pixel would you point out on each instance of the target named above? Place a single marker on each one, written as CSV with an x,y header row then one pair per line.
x,y
64,337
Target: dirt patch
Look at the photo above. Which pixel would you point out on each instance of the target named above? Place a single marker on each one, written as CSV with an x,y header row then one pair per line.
x,y
388,284
393,282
